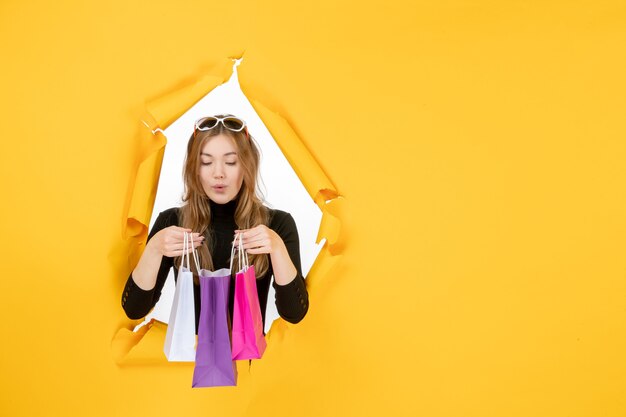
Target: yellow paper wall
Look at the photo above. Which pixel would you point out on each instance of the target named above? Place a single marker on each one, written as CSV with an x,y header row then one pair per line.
x,y
479,147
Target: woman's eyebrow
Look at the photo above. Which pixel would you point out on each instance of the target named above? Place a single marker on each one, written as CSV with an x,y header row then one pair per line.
x,y
226,154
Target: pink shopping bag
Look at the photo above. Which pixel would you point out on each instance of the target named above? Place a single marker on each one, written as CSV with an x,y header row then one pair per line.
x,y
248,340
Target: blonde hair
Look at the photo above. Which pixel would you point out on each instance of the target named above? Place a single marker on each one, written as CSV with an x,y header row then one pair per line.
x,y
195,214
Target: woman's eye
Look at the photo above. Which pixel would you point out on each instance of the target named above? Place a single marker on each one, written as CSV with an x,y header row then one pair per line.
x,y
205,163
231,163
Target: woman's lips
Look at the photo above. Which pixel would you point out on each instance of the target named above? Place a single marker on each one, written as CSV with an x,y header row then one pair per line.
x,y
219,188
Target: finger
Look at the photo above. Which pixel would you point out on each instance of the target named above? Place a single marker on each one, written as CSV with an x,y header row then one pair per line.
x,y
179,229
179,232
260,239
250,232
257,251
257,244
176,253
179,246
239,235
196,237
236,242
196,243
173,239
179,237
251,236
251,245
175,236
174,248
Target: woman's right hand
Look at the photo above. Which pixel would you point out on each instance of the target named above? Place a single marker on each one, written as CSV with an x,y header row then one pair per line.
x,y
170,241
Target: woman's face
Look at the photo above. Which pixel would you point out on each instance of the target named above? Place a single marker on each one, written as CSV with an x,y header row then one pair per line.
x,y
220,169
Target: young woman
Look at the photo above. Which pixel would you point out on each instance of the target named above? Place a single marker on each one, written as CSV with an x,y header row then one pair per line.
x,y
221,203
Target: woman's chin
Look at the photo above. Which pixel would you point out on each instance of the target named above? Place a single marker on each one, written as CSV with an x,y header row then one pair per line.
x,y
220,198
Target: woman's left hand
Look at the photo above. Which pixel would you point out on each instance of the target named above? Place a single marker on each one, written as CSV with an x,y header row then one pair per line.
x,y
260,239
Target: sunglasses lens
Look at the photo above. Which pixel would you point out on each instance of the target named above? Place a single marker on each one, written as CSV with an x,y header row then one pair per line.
x,y
234,124
207,123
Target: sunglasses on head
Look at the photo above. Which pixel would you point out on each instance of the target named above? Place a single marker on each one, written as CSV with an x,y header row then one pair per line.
x,y
229,122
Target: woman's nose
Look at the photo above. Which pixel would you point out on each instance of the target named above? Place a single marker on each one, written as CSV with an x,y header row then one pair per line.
x,y
219,171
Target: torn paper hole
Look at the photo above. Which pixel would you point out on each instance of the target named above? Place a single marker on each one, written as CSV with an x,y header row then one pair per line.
x,y
280,184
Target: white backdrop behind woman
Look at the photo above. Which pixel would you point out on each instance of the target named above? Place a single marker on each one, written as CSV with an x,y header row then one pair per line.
x,y
280,185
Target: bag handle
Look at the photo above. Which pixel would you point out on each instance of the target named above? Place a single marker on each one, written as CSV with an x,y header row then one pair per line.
x,y
188,241
185,254
194,252
232,255
241,253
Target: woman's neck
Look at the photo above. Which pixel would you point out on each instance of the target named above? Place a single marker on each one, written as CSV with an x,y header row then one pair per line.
x,y
223,211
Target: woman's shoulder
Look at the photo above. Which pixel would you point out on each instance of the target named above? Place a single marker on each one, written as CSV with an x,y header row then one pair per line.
x,y
165,219
169,217
279,218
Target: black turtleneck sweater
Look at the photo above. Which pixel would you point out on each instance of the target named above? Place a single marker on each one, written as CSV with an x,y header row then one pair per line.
x,y
292,301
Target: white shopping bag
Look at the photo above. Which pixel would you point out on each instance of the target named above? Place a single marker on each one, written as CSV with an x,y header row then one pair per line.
x,y
180,339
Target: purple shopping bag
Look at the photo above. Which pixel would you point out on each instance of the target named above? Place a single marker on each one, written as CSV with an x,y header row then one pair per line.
x,y
247,335
214,365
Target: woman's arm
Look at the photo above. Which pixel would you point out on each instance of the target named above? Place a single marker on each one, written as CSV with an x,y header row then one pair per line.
x,y
281,242
144,285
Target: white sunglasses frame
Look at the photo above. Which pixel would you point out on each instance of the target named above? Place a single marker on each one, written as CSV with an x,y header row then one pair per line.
x,y
219,120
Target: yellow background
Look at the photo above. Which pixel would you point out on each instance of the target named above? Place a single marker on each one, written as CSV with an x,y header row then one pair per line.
x,y
479,146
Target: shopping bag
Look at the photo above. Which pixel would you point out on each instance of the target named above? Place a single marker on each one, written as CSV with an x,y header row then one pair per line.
x,y
180,339
214,365
248,340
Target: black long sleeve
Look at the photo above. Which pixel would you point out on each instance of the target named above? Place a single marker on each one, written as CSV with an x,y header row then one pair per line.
x,y
291,300
137,302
